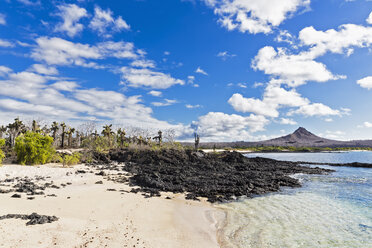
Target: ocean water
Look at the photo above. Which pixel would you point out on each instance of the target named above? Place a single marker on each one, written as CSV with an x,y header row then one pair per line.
x,y
332,210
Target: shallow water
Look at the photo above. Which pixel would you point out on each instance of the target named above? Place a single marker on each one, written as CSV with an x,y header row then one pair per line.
x,y
328,211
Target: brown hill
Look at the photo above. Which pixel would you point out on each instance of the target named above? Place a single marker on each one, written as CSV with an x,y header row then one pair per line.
x,y
299,138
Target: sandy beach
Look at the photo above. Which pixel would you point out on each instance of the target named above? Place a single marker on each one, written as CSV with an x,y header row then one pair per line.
x,y
90,215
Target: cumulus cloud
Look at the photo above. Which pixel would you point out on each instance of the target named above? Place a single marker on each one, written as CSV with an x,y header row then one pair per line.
x,y
65,86
29,95
43,69
143,63
189,106
225,55
367,124
365,82
317,109
4,70
2,19
4,43
291,69
286,121
273,99
167,102
155,93
71,14
57,51
201,71
255,16
104,23
217,126
343,40
136,78
369,19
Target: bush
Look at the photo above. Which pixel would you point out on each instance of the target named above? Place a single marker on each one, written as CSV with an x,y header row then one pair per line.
x,y
33,148
2,155
73,159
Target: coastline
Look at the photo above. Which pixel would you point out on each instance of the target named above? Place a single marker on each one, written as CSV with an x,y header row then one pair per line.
x,y
91,216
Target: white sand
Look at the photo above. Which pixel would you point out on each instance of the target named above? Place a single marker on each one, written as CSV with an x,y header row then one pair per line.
x,y
95,217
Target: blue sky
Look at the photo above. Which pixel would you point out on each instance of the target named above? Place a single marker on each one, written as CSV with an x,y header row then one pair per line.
x,y
230,69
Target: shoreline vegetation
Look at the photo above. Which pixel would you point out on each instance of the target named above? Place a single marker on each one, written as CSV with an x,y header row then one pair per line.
x,y
78,178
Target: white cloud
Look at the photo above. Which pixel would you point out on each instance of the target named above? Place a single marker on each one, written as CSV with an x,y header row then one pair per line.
x,y
2,19
4,43
342,40
316,109
57,51
328,120
143,63
244,105
65,85
273,99
255,16
4,70
189,106
225,55
147,78
333,135
365,82
286,121
167,102
367,124
369,19
155,93
42,69
104,23
71,14
217,126
293,70
201,71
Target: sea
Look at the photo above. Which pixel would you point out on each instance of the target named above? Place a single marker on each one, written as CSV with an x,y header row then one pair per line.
x,y
332,210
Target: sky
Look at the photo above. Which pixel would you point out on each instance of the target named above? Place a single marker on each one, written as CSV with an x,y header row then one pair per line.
x,y
231,70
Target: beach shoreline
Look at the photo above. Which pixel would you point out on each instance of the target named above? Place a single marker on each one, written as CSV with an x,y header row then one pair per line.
x,y
92,214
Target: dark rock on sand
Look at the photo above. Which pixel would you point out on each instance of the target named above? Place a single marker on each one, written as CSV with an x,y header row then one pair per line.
x,y
218,177
33,219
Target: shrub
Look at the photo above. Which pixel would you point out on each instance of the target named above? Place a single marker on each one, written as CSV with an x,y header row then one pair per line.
x,y
73,159
2,155
34,148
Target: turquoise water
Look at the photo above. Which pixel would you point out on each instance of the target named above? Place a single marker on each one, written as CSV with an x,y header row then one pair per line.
x,y
332,210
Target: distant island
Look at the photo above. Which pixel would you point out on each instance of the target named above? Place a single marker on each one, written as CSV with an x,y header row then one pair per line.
x,y
299,140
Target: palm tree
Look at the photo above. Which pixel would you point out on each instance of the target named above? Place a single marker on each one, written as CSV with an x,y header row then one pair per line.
x,y
63,125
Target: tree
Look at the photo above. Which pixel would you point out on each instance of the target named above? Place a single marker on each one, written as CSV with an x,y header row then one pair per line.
x,y
35,127
121,137
15,129
197,141
34,148
63,126
55,128
70,132
2,131
159,138
2,155
107,130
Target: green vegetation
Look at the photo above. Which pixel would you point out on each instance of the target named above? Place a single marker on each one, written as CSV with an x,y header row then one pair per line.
x,y
33,148
2,155
68,160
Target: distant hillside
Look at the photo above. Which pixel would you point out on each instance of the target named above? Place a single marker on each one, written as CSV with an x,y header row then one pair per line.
x,y
300,138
